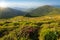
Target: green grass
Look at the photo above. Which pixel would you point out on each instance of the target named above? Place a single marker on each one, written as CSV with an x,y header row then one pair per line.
x,y
26,28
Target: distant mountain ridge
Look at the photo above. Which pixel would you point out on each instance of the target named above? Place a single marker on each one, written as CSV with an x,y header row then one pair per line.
x,y
9,12
58,6
40,11
44,10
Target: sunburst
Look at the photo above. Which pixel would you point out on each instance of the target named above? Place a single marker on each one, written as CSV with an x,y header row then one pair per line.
x,y
3,4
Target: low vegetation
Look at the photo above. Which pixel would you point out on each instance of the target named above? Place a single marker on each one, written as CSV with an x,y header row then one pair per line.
x,y
26,28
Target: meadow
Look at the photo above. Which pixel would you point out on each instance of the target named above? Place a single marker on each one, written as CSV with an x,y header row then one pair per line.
x,y
30,28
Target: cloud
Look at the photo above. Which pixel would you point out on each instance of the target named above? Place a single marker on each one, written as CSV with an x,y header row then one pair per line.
x,y
25,4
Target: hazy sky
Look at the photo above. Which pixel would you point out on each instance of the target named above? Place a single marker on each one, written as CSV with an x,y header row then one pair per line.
x,y
29,3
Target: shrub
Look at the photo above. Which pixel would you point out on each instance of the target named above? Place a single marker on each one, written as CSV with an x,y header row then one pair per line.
x,y
50,36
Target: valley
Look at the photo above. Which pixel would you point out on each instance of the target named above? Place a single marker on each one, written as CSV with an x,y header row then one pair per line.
x,y
42,23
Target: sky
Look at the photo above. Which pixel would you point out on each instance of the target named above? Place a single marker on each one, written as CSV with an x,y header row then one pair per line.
x,y
28,3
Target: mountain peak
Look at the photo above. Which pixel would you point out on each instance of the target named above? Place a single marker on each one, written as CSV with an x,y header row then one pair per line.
x,y
46,6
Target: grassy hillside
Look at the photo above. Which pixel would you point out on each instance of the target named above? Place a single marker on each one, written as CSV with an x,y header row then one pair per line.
x,y
44,10
9,12
25,28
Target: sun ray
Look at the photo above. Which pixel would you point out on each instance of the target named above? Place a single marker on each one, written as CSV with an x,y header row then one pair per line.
x,y
3,4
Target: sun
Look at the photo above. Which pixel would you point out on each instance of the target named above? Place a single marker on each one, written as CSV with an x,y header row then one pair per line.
x,y
3,4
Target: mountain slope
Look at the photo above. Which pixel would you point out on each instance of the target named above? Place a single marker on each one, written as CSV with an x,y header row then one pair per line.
x,y
44,10
9,12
